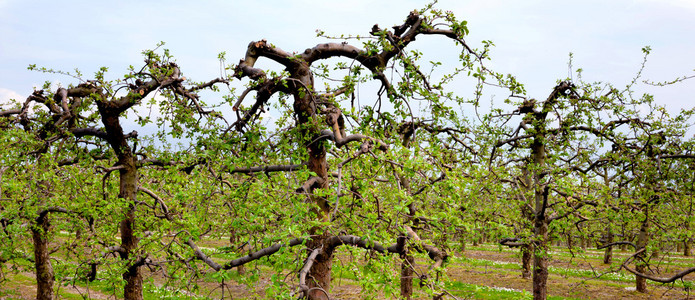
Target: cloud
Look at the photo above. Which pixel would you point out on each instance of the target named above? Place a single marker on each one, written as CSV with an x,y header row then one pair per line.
x,y
6,95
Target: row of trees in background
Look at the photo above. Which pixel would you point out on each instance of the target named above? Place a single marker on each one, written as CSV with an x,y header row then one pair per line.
x,y
414,167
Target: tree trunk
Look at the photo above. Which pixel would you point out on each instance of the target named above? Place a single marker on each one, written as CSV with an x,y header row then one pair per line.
x,y
133,285
540,223
608,254
640,264
129,241
461,236
305,108
526,254
686,241
127,192
319,279
132,276
686,247
407,276
44,270
584,242
320,272
540,262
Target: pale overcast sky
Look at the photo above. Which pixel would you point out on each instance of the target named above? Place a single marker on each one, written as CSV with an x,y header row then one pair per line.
x,y
533,37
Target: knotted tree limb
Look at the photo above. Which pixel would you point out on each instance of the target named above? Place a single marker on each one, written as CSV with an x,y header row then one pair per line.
x,y
201,256
431,182
512,242
618,243
341,140
305,270
264,91
117,249
365,148
242,260
159,201
298,64
107,172
310,184
673,278
352,240
42,214
334,118
266,169
439,256
10,112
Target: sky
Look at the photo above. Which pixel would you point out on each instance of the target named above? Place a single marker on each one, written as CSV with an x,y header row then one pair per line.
x,y
533,38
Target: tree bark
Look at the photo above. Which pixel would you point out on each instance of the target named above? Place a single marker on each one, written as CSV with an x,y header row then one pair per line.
x,y
540,221
608,253
128,187
526,254
584,242
320,273
640,264
686,247
129,242
461,236
540,262
407,276
44,270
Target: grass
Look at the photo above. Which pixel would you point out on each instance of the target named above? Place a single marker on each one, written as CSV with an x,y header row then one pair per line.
x,y
485,272
588,274
483,292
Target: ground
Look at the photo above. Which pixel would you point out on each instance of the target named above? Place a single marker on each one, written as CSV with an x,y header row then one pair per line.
x,y
484,272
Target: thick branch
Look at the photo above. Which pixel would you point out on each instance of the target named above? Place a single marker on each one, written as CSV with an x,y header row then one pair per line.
x,y
9,112
574,208
514,139
201,256
434,253
305,270
117,249
171,75
81,132
356,241
673,278
432,181
617,243
268,169
310,184
340,141
44,212
243,260
512,242
261,253
263,93
207,84
159,200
